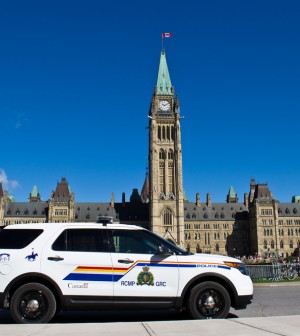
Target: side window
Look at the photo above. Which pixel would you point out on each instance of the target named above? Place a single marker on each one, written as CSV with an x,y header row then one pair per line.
x,y
135,241
18,239
82,240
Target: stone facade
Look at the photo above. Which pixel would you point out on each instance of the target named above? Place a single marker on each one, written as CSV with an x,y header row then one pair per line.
x,y
260,225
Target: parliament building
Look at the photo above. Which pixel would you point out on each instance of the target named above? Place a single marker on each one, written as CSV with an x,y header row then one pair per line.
x,y
259,225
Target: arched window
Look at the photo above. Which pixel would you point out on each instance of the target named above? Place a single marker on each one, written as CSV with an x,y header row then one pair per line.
x,y
265,244
161,154
272,244
281,244
291,244
167,218
170,155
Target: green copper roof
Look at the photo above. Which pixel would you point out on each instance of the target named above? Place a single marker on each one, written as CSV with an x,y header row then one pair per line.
x,y
164,85
34,192
185,196
231,192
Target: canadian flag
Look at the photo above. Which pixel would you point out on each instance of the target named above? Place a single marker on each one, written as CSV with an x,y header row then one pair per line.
x,y
165,35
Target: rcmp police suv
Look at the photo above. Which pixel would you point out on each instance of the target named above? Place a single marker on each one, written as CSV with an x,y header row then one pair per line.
x,y
45,268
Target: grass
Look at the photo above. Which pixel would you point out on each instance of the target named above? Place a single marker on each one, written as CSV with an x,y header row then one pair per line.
x,y
262,280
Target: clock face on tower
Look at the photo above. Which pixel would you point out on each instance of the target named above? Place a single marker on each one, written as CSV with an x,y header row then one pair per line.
x,y
164,105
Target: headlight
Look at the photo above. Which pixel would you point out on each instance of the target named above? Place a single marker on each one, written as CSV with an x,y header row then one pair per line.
x,y
240,266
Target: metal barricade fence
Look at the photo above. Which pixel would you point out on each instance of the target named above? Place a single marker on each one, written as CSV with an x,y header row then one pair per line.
x,y
272,271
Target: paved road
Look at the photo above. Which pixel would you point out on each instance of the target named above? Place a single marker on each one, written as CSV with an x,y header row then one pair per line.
x,y
275,300
269,302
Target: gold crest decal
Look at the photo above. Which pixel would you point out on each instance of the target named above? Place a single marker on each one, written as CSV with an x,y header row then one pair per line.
x,y
145,277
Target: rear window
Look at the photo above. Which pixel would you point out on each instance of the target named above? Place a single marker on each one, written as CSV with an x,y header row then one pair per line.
x,y
18,239
82,240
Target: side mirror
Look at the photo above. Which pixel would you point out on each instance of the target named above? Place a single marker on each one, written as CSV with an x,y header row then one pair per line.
x,y
163,250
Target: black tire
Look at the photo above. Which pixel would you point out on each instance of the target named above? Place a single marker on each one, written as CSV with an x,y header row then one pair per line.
x,y
208,300
33,303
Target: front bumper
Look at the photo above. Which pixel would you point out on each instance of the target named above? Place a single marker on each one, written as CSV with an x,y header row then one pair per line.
x,y
243,301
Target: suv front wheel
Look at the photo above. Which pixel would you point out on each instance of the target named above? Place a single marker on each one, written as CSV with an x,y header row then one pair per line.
x,y
32,303
208,300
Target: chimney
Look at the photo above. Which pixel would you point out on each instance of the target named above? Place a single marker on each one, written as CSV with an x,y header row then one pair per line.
x,y
112,202
198,203
123,200
208,201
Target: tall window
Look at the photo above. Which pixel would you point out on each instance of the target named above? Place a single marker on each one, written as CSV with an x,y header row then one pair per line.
x,y
170,171
167,218
161,171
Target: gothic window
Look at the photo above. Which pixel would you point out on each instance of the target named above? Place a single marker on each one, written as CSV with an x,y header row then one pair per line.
x,y
170,155
161,154
207,239
295,211
205,215
281,244
287,210
194,216
291,244
265,244
279,211
272,244
188,216
167,218
168,133
217,248
222,215
163,132
159,132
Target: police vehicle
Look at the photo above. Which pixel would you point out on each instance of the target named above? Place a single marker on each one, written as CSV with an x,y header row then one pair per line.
x,y
49,267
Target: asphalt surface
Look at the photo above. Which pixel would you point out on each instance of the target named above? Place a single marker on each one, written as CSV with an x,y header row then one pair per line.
x,y
269,300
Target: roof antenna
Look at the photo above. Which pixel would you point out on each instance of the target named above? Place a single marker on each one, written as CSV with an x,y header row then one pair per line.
x,y
104,220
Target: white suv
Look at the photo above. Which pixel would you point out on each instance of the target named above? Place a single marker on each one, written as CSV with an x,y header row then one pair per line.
x,y
49,267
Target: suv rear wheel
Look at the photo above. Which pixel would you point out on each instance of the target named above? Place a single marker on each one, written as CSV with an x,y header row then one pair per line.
x,y
208,300
32,303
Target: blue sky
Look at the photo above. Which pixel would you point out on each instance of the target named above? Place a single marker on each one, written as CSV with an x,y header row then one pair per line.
x,y
76,80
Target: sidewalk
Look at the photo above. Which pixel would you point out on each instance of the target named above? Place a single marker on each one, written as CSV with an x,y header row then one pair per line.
x,y
262,326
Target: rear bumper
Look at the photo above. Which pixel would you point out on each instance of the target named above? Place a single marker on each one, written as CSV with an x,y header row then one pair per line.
x,y
243,301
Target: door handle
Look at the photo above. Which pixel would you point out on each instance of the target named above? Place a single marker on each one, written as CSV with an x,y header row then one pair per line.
x,y
125,261
55,258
